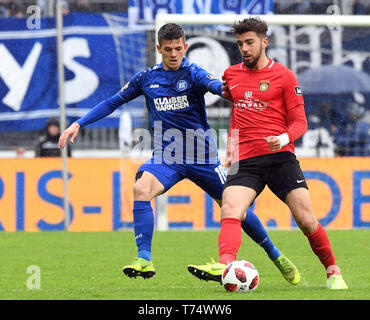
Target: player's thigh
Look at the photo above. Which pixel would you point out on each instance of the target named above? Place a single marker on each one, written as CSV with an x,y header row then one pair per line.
x,y
147,186
242,186
236,199
209,177
284,175
299,203
154,179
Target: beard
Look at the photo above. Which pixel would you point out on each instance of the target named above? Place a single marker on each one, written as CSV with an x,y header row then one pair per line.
x,y
250,64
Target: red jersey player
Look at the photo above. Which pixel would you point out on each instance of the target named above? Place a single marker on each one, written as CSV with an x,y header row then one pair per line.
x,y
267,117
266,102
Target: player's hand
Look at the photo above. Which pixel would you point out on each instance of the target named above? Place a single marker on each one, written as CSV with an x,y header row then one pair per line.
x,y
228,159
273,142
225,89
71,132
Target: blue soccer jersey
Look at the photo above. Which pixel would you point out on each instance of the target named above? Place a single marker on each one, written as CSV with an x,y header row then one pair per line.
x,y
175,101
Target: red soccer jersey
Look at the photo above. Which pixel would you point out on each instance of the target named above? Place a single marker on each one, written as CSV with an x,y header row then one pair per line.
x,y
266,102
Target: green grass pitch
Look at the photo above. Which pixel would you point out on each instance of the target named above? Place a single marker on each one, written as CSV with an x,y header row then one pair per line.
x,y
89,266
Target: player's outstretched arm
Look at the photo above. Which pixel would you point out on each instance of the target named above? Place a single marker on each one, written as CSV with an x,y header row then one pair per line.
x,y
100,111
71,132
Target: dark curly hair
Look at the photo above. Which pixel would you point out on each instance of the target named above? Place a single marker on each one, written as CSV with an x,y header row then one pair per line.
x,y
170,31
250,24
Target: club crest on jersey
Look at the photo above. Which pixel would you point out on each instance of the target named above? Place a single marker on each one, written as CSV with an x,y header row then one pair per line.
x,y
182,85
264,85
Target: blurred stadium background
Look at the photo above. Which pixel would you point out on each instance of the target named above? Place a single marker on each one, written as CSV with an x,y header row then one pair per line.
x,y
105,44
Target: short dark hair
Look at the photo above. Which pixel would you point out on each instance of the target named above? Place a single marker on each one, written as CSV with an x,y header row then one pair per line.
x,y
250,24
170,31
52,122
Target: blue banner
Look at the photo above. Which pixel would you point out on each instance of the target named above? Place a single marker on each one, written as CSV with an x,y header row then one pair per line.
x,y
146,10
98,59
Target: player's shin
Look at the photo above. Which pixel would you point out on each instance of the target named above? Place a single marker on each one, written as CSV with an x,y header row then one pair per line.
x,y
254,228
320,245
143,227
229,239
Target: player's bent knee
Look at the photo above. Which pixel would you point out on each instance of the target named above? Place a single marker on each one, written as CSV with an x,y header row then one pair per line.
x,y
229,210
142,192
308,225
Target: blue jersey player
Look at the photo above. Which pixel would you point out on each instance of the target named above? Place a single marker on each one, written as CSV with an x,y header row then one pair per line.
x,y
183,144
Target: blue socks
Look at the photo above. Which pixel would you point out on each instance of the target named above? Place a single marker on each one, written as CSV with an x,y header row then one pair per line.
x,y
143,227
254,228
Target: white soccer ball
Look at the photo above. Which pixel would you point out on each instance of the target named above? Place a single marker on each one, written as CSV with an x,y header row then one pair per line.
x,y
240,276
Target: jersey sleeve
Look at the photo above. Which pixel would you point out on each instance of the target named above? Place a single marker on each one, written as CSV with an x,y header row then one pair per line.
x,y
225,77
296,117
292,93
296,122
101,110
130,91
207,82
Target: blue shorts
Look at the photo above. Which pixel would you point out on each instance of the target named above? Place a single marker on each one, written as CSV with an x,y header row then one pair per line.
x,y
209,177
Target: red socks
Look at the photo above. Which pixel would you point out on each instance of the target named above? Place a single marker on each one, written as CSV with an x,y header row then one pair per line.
x,y
320,245
229,239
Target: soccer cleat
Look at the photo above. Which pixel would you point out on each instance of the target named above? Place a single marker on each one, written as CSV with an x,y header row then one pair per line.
x,y
336,281
210,271
288,269
139,268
